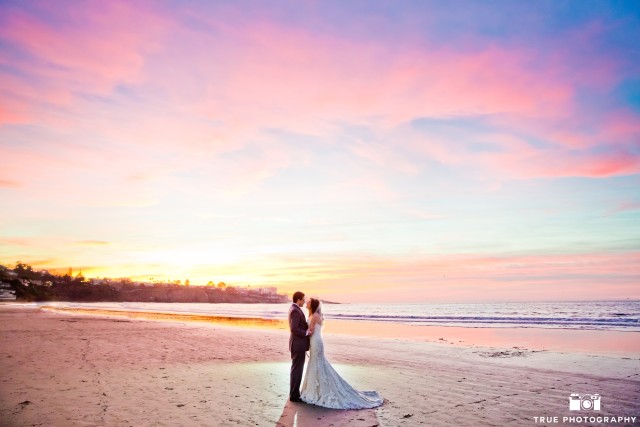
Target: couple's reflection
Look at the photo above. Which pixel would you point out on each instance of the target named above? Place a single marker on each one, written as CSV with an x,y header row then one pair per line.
x,y
303,415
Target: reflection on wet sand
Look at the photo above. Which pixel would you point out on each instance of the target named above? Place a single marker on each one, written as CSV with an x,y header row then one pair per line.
x,y
303,415
621,343
230,321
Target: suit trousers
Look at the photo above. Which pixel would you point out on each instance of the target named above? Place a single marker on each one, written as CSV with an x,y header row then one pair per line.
x,y
295,378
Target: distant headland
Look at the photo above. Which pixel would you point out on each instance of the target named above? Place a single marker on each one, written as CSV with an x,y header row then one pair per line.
x,y
31,285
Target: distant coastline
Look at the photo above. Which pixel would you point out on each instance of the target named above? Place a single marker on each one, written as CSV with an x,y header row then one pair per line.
x,y
31,285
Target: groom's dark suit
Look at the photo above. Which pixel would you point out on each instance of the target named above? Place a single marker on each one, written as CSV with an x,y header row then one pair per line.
x,y
298,345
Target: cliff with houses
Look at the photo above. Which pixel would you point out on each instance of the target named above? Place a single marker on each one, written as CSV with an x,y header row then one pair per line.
x,y
31,285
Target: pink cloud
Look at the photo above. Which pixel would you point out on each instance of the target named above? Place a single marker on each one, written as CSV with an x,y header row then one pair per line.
x,y
213,93
384,155
249,75
290,78
624,207
618,128
280,77
609,152
591,146
69,174
6,183
556,163
18,241
97,46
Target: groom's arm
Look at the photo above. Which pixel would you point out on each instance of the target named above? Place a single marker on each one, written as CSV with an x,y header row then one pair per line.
x,y
294,325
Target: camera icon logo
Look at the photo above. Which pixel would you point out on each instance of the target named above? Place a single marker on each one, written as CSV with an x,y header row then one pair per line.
x,y
578,402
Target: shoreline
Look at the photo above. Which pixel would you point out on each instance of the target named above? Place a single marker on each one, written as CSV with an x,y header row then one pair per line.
x,y
68,369
588,341
180,317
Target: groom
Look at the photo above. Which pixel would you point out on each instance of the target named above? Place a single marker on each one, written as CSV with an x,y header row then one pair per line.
x,y
298,344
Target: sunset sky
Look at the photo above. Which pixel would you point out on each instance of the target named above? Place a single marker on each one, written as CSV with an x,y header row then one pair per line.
x,y
365,151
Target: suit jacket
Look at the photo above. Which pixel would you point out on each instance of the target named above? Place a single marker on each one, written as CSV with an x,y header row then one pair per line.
x,y
298,340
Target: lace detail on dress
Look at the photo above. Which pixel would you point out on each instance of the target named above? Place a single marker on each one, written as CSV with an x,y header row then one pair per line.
x,y
323,386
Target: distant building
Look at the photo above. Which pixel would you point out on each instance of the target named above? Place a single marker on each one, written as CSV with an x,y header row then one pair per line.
x,y
248,290
6,293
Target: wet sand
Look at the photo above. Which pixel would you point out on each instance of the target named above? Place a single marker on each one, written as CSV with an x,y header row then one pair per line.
x,y
589,341
66,369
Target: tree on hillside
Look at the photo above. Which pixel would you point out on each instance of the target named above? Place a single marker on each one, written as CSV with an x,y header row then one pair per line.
x,y
24,271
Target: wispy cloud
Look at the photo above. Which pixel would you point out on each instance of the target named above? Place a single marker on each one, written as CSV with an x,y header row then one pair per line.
x,y
197,136
624,207
9,184
66,51
92,242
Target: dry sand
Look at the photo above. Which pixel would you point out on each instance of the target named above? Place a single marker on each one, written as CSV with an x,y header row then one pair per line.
x,y
60,369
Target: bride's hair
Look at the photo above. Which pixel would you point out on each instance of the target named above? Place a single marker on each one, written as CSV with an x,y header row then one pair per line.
x,y
314,307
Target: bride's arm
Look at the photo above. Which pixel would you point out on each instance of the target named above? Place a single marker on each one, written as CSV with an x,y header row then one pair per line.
x,y
312,324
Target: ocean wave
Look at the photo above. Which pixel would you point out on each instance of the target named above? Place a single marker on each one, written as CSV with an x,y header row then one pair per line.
x,y
601,315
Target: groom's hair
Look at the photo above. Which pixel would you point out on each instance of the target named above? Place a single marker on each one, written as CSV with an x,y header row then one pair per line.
x,y
298,296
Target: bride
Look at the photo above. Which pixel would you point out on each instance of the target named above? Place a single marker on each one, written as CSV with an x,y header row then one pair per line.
x,y
322,385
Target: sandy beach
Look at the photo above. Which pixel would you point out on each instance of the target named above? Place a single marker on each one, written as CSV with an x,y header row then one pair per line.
x,y
65,369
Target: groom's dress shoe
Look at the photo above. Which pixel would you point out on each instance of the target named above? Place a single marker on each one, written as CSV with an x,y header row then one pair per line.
x,y
295,399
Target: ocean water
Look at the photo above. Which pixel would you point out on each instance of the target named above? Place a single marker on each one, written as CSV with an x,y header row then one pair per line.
x,y
603,315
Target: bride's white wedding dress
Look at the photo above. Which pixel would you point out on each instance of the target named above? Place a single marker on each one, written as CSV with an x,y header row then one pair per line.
x,y
323,386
